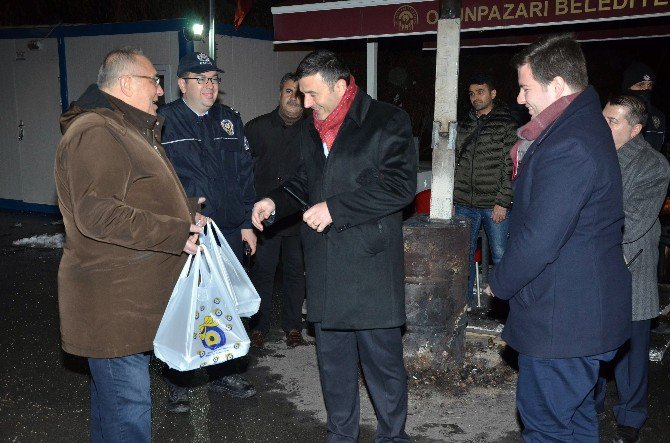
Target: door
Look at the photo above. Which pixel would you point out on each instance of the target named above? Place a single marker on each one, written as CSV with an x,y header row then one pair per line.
x,y
38,108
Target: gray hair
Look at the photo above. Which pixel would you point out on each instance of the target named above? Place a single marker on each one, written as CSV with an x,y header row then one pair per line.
x,y
115,63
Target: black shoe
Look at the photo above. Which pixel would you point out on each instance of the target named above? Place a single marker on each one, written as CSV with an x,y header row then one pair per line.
x,y
626,434
233,385
177,402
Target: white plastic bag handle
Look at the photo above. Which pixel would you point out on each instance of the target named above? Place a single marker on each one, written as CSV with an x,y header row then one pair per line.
x,y
216,232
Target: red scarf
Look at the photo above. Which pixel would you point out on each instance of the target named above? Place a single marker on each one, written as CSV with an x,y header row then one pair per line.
x,y
532,130
329,127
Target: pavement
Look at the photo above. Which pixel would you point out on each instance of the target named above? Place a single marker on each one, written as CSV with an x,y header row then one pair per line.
x,y
44,392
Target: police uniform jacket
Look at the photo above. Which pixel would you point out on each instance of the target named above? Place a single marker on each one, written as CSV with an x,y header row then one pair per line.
x,y
212,158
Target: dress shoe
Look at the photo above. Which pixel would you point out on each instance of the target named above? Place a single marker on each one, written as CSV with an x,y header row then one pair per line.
x,y
257,339
626,434
178,401
233,385
294,338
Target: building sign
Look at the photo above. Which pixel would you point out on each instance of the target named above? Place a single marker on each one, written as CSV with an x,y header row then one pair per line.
x,y
371,18
487,15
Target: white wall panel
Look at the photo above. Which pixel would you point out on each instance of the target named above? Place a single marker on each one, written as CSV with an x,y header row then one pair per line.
x,y
84,55
253,70
10,163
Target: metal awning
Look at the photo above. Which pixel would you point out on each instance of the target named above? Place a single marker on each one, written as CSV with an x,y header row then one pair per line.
x,y
310,21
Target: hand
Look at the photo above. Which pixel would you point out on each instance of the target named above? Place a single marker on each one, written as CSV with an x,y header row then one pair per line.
x,y
318,217
261,211
249,236
488,291
200,220
191,246
499,214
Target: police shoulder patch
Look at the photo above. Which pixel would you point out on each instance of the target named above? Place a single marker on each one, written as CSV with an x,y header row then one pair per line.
x,y
228,126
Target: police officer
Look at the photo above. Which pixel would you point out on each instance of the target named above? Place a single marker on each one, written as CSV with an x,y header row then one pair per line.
x,y
639,80
205,142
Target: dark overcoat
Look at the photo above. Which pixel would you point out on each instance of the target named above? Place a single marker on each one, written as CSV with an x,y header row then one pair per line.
x,y
355,272
563,270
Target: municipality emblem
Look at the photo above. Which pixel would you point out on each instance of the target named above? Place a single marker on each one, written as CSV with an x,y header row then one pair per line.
x,y
405,18
228,126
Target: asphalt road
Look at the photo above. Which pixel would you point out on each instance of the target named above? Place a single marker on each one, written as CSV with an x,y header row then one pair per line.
x,y
44,392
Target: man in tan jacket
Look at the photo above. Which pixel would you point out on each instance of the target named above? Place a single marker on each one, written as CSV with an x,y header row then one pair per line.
x,y
128,224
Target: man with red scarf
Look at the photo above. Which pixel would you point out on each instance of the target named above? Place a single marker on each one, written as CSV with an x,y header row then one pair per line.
x,y
358,172
563,270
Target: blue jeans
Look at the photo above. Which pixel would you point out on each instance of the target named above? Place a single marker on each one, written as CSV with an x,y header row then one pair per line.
x,y
495,232
555,397
120,399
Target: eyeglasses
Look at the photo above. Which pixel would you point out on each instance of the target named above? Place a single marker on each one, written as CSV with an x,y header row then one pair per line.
x,y
156,79
205,80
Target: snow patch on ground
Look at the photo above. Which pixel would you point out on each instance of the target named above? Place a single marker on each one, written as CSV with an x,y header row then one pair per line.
x,y
54,241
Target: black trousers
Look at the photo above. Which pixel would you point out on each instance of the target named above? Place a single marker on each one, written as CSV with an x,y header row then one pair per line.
x,y
631,372
379,352
262,275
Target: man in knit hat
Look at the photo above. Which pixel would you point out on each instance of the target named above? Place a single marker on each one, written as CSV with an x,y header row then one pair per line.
x,y
639,79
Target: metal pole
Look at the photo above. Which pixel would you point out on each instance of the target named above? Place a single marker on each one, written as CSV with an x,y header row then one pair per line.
x,y
446,96
212,43
372,51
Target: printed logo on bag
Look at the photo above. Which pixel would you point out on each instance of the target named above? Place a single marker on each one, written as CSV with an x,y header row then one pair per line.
x,y
211,335
228,126
218,312
217,300
229,317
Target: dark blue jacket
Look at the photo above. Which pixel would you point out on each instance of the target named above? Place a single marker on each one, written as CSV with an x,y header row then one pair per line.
x,y
563,270
212,159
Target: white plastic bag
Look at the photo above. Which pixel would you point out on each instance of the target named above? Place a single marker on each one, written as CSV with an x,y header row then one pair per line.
x,y
200,326
243,292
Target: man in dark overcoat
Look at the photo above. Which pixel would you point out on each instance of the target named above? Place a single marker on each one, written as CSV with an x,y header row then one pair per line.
x,y
358,171
563,271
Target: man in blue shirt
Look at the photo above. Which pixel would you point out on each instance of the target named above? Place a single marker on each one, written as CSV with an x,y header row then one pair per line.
x,y
205,142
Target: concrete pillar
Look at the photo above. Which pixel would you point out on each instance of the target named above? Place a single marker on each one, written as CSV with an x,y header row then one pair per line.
x,y
437,249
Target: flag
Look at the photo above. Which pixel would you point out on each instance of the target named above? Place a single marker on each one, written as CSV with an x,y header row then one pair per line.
x,y
243,7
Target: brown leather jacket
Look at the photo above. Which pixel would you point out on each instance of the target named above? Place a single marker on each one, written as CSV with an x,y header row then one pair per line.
x,y
126,220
